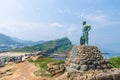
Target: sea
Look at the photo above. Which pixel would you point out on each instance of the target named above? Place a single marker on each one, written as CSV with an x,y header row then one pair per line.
x,y
109,55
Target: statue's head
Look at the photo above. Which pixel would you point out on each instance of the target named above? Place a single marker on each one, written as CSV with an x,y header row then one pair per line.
x,y
84,22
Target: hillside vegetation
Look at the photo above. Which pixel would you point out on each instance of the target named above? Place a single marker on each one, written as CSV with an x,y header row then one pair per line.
x,y
54,46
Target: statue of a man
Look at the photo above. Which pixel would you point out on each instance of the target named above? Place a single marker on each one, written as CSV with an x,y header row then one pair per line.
x,y
85,29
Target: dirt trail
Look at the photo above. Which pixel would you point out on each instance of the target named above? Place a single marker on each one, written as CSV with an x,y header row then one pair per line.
x,y
23,71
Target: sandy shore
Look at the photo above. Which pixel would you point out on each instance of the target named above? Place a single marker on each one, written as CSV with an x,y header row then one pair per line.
x,y
9,54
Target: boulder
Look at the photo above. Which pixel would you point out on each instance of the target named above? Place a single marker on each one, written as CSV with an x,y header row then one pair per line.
x,y
84,67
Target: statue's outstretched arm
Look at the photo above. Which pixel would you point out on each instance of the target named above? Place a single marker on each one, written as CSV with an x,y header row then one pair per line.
x,y
88,28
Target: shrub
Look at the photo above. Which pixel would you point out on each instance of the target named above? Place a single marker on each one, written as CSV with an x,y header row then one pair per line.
x,y
115,61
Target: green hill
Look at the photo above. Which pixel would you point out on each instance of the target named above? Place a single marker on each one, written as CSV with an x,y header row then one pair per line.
x,y
54,46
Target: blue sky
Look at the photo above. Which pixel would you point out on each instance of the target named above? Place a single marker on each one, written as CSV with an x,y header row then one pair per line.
x,y
51,19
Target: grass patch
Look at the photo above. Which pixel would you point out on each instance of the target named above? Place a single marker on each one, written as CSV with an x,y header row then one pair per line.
x,y
115,61
42,62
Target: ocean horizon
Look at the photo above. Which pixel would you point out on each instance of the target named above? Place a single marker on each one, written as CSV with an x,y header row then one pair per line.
x,y
109,55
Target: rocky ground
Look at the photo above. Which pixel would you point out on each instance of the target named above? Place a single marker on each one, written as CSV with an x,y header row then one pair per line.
x,y
23,71
26,71
19,71
106,74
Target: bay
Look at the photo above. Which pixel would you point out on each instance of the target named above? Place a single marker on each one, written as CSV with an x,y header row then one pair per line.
x,y
109,55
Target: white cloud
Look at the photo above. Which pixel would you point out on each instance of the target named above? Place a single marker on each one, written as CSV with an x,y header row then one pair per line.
x,y
94,16
57,25
27,30
37,31
98,19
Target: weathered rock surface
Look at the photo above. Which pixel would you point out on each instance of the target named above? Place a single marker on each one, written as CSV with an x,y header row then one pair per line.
x,y
5,73
55,69
87,63
107,74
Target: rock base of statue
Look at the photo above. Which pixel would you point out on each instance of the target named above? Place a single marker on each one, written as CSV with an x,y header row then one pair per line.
x,y
87,63
84,58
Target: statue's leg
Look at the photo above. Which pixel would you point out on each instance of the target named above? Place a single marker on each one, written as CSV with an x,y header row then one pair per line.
x,y
81,40
86,38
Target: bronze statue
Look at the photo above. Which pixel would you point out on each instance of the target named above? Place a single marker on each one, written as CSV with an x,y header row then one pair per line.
x,y
85,29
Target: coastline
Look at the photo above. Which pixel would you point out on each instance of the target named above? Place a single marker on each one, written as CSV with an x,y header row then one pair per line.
x,y
10,54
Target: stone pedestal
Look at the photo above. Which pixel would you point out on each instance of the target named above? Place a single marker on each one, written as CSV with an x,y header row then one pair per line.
x,y
84,58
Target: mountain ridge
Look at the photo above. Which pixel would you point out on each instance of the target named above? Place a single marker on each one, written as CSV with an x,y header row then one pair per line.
x,y
59,46
5,39
7,42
